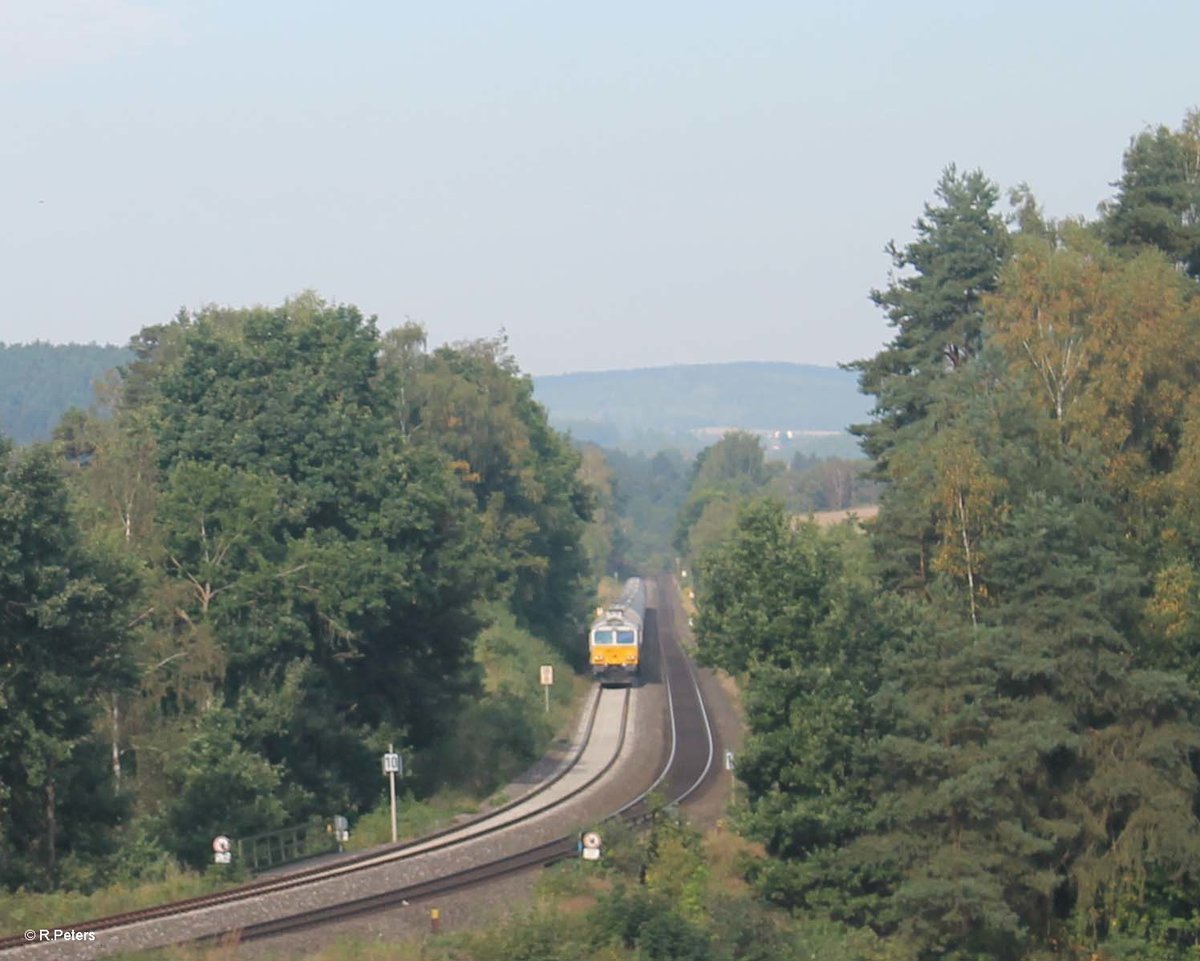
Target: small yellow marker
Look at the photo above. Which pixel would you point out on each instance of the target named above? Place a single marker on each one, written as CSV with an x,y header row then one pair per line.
x,y
435,920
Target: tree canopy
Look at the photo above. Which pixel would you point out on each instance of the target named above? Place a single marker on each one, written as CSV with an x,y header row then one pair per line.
x,y
270,558
973,724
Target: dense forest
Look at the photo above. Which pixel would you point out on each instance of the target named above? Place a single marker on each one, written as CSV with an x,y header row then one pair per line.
x,y
272,545
975,729
723,477
274,556
38,382
631,411
662,510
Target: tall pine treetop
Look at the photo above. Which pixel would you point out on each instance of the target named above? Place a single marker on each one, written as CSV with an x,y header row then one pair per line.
x,y
1158,199
934,301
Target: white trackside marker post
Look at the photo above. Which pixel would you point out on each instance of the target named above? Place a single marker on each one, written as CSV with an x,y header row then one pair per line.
x,y
589,846
547,676
391,767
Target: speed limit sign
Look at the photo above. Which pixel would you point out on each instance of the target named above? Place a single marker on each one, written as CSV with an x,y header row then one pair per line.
x,y
222,848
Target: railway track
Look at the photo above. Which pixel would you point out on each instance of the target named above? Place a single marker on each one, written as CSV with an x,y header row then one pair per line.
x,y
232,913
692,744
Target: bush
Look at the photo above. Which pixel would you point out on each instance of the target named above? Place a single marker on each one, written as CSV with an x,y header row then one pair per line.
x,y
668,936
221,788
493,740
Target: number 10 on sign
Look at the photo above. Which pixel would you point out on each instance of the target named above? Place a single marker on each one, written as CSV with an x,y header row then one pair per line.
x,y
392,765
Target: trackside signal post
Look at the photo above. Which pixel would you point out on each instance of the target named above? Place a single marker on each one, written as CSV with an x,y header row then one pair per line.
x,y
589,846
340,829
222,850
392,765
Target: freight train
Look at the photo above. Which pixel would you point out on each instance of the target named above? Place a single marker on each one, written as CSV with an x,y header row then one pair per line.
x,y
615,639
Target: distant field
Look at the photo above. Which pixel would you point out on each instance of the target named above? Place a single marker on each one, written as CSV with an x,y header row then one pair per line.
x,y
829,518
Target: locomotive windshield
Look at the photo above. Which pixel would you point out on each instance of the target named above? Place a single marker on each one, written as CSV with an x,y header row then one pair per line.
x,y
625,637
604,637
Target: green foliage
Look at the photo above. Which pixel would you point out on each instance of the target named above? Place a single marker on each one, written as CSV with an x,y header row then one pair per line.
x,y
648,493
793,610
813,484
1159,194
64,610
415,816
470,403
664,917
285,392
500,734
313,520
935,304
980,741
722,476
24,909
779,592
671,897
735,470
536,936
1006,798
674,870
1124,776
221,788
331,561
492,741
668,936
603,539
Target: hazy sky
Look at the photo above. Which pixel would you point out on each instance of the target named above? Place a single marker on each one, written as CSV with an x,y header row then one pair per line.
x,y
616,184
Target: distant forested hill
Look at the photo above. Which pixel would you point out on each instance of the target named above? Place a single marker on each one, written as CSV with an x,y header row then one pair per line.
x,y
39,381
688,405
685,407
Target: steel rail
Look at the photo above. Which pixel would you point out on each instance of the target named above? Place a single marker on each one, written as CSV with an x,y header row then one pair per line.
x,y
542,855
672,660
370,859
684,667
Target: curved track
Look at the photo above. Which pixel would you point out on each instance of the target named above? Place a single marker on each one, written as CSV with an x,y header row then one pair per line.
x,y
687,765
690,760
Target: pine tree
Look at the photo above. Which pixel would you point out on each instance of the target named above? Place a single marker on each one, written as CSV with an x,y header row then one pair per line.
x,y
935,303
1158,199
1119,795
935,306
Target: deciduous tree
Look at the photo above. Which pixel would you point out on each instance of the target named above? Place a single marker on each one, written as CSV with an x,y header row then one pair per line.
x,y
65,607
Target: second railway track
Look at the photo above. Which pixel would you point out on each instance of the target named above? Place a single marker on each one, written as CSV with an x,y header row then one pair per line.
x,y
483,849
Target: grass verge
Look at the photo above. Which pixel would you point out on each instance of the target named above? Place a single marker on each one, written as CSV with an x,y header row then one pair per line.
x,y
28,909
496,738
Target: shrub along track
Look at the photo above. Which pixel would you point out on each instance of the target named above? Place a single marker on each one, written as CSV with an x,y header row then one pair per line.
x,y
688,764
